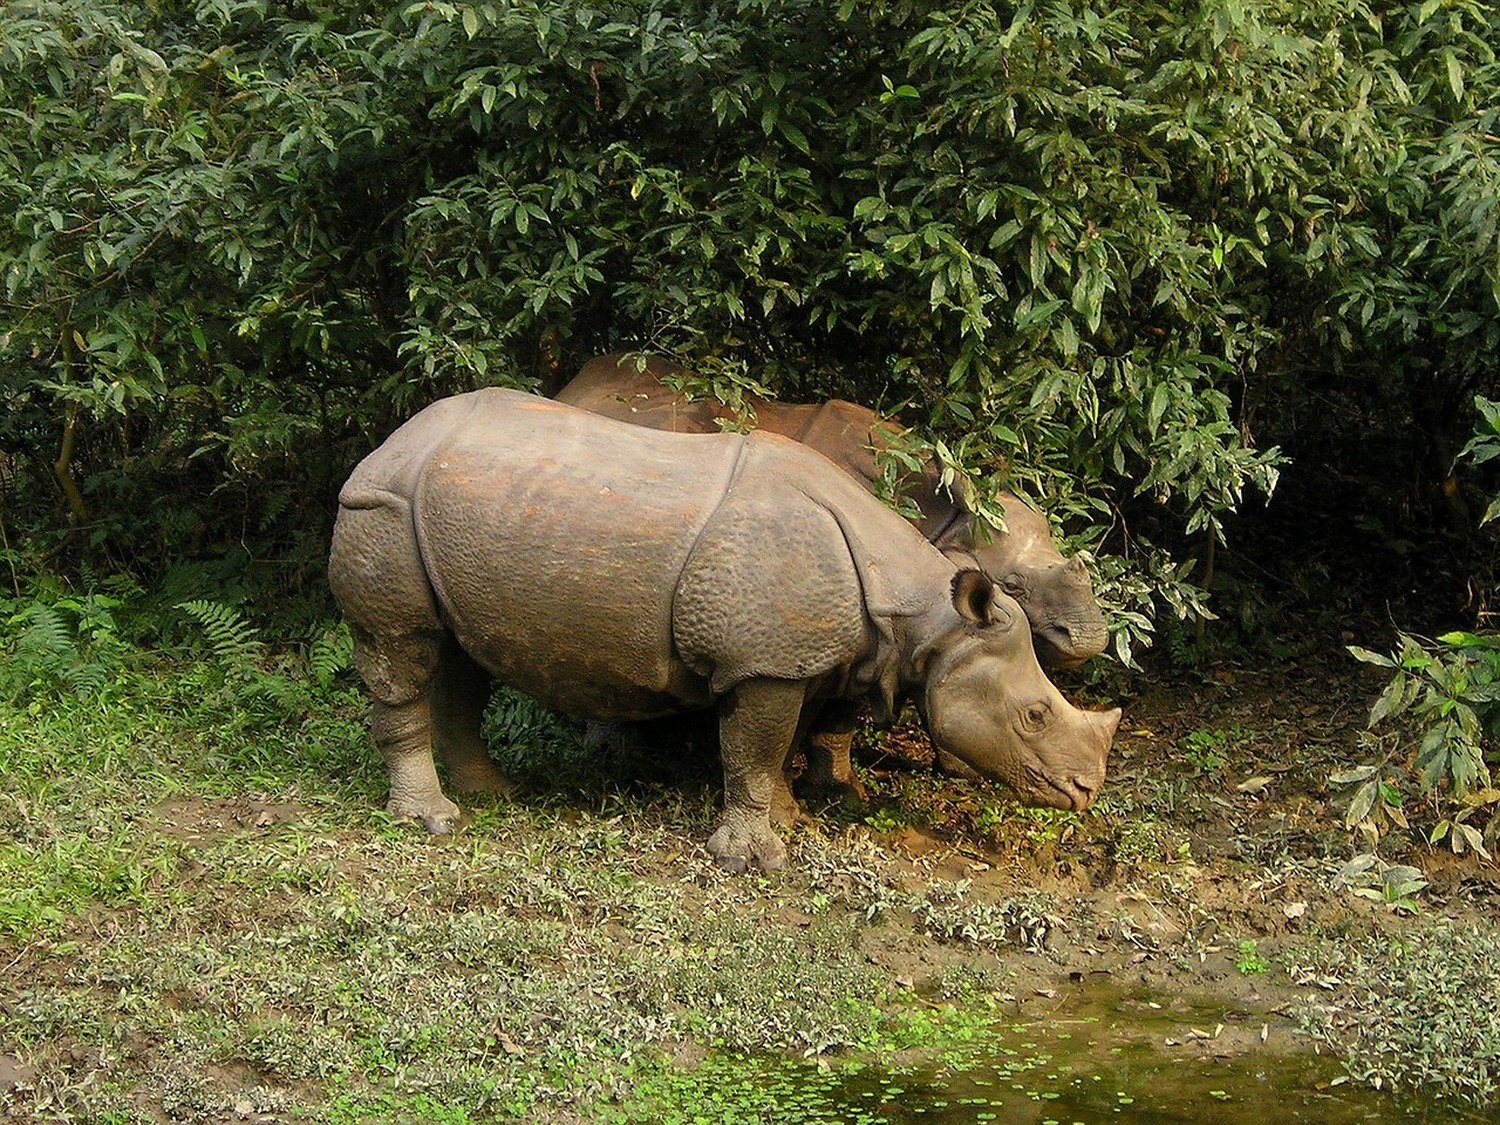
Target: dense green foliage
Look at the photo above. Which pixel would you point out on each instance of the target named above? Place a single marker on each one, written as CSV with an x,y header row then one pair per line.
x,y
1115,253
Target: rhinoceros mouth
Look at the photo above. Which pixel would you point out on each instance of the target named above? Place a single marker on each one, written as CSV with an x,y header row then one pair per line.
x,y
1060,792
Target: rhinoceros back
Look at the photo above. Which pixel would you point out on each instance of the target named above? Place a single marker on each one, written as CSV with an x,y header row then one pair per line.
x,y
616,387
555,539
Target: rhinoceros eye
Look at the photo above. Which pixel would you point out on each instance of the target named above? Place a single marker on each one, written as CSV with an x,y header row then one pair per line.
x,y
1035,717
1014,584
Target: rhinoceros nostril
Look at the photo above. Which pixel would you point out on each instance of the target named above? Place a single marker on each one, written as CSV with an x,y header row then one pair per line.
x,y
1084,792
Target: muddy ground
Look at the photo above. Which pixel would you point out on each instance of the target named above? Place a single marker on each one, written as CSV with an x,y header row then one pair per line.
x,y
1221,831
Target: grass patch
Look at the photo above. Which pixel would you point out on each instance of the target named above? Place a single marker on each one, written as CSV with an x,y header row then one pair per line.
x,y
206,912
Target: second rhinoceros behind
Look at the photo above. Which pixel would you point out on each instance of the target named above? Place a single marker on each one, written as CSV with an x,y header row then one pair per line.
x,y
621,573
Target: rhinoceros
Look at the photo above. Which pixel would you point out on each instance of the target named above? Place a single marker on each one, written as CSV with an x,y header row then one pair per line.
x,y
1054,592
620,573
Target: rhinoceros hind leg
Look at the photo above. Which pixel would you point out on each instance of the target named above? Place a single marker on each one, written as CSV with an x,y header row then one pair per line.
x,y
829,776
756,724
459,693
403,734
786,811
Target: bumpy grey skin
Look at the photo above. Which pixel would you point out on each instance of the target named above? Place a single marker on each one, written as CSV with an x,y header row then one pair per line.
x,y
1054,592
619,573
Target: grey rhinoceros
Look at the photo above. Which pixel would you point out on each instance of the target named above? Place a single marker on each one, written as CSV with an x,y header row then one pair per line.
x,y
1054,592
620,573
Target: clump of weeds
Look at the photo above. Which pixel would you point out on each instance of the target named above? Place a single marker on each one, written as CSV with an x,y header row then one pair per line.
x,y
1420,1010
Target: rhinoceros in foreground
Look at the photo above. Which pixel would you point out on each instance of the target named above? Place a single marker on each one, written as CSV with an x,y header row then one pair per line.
x,y
621,573
1053,592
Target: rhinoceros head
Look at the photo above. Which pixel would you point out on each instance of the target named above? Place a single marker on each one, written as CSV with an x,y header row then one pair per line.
x,y
1054,592
990,708
1058,599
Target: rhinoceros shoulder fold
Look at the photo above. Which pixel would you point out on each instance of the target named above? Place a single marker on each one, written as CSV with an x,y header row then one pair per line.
x,y
799,574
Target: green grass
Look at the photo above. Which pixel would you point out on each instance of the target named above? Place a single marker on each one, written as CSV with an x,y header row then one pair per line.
x,y
204,906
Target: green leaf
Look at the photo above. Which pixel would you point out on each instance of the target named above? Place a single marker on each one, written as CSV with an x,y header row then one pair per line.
x,y
1461,639
1160,396
1455,75
1392,701
1038,314
1369,657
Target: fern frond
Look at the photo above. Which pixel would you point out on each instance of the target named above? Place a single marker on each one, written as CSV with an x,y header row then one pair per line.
x,y
233,639
47,634
332,652
87,678
46,654
288,695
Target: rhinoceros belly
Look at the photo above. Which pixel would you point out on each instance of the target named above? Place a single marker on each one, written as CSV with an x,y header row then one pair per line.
x,y
555,539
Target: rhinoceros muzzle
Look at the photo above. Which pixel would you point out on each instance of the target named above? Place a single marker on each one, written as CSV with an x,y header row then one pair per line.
x,y
1065,644
1071,792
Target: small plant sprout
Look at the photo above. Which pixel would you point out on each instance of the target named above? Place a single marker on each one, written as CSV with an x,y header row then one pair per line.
x,y
1461,835
1374,802
1249,962
1394,884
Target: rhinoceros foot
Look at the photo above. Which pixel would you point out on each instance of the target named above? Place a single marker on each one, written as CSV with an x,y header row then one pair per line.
x,y
441,817
479,776
738,845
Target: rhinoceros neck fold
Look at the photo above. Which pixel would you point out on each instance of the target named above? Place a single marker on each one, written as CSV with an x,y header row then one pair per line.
x,y
905,585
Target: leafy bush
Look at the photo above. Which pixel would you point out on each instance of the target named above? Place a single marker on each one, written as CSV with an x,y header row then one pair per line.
x,y
1450,689
1091,248
1484,446
1447,692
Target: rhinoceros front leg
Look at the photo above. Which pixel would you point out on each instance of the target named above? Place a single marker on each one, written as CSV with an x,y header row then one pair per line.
x,y
757,722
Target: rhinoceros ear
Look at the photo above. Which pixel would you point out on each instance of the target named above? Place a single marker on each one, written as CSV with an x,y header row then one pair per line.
x,y
974,598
